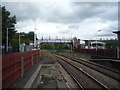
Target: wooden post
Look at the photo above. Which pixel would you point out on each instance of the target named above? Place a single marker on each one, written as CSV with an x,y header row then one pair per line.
x,y
32,60
22,66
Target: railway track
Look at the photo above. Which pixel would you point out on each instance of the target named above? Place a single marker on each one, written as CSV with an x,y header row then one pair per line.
x,y
83,79
107,71
66,64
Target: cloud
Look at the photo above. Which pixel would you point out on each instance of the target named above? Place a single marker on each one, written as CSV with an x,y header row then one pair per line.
x,y
74,26
53,18
62,12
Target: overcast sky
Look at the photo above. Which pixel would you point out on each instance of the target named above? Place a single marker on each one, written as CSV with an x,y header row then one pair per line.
x,y
66,19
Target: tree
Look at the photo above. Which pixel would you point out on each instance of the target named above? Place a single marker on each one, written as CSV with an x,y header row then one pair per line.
x,y
60,46
26,38
30,35
111,44
57,46
48,46
0,25
8,21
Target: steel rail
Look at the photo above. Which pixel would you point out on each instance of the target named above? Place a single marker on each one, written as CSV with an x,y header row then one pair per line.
x,y
109,70
85,73
72,76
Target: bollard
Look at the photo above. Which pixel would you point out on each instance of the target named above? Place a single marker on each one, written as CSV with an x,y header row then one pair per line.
x,y
22,66
32,60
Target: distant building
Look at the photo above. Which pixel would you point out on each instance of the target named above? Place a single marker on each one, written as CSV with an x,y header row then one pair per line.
x,y
118,35
98,45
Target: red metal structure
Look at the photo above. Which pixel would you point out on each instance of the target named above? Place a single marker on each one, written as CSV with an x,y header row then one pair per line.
x,y
102,52
11,65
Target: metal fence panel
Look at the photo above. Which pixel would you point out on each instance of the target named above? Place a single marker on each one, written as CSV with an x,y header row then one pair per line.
x,y
11,65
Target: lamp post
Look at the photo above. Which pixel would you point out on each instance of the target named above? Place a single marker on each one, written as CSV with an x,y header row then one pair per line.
x,y
118,47
96,40
19,41
7,38
35,35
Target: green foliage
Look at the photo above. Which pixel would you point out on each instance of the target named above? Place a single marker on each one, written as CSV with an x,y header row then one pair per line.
x,y
48,46
26,38
61,46
15,42
7,22
53,46
30,35
111,44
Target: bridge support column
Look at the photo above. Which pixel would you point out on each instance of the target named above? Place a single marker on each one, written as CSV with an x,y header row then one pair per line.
x,y
22,66
118,50
71,47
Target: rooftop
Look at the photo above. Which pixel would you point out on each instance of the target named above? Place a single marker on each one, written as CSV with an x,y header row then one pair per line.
x,y
117,32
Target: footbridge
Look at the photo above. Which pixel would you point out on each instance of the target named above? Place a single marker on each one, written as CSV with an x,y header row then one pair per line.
x,y
67,41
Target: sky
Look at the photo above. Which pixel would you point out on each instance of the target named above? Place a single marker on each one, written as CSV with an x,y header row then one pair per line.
x,y
66,19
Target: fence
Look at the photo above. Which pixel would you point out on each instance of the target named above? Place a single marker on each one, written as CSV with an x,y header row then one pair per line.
x,y
15,64
102,52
